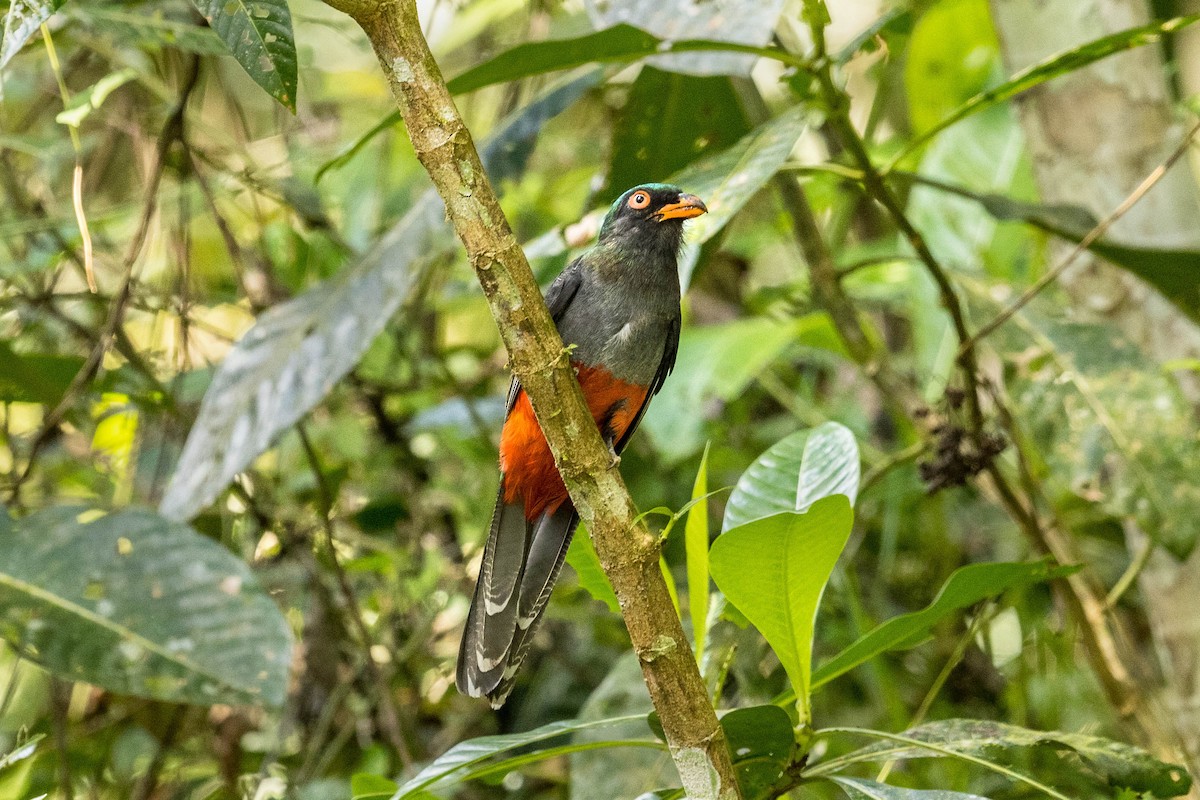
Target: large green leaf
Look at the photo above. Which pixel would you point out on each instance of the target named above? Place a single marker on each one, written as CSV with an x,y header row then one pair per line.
x,y
298,350
22,21
140,605
259,35
453,765
795,472
775,569
1117,764
964,588
667,122
1052,67
862,789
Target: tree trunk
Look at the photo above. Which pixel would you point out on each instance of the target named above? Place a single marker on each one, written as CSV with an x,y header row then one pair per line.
x,y
1094,135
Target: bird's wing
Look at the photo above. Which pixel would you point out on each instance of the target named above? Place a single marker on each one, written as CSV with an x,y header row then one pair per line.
x,y
665,365
559,295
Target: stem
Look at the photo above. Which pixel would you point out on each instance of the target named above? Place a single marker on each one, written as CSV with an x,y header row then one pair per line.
x,y
627,549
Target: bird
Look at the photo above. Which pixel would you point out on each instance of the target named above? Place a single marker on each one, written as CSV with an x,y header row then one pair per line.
x,y
616,308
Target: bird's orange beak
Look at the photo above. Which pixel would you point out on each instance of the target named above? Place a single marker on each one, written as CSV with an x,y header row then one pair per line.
x,y
688,206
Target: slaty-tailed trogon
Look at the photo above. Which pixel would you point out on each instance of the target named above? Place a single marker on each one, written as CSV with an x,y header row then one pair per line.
x,y
618,306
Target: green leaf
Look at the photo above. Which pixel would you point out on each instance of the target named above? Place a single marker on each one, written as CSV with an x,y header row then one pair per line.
x,y
81,105
581,555
728,180
715,361
745,22
21,751
365,786
830,465
1174,273
760,740
259,35
22,21
695,534
795,472
1050,68
139,605
35,377
299,349
1118,764
775,569
667,122
964,588
861,789
168,26
474,752
620,43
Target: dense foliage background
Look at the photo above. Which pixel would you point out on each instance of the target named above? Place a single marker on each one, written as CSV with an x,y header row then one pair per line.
x,y
337,478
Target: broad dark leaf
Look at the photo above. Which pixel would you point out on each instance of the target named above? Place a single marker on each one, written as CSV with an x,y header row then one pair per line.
x,y
140,605
667,122
298,350
259,35
35,377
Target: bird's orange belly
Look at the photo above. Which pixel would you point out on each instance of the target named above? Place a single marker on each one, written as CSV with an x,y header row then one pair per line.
x,y
530,476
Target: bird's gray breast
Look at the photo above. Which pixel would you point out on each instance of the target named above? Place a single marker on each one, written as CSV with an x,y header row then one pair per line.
x,y
621,329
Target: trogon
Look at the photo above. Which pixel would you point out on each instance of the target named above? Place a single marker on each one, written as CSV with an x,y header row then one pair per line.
x,y
617,309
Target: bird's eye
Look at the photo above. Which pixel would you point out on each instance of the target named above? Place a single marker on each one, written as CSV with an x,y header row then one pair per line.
x,y
639,200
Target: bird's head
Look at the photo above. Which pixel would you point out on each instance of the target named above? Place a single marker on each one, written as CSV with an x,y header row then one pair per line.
x,y
650,216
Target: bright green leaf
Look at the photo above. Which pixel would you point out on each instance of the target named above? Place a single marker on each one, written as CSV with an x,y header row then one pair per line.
x,y
696,545
365,786
581,555
1052,67
259,35
775,569
794,472
965,587
139,605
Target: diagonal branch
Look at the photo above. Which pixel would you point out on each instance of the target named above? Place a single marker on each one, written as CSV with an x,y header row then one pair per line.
x,y
626,547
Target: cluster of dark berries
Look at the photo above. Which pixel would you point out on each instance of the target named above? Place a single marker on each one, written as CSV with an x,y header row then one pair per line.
x,y
957,456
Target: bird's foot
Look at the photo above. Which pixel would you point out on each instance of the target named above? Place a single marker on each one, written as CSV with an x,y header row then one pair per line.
x,y
612,451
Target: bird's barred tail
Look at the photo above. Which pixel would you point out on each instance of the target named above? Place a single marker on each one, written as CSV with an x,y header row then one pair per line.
x,y
521,562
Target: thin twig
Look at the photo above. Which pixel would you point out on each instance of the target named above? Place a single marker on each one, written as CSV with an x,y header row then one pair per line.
x,y
1087,241
389,717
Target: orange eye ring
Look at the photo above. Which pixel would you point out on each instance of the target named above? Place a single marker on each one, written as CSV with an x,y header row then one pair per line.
x,y
639,200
